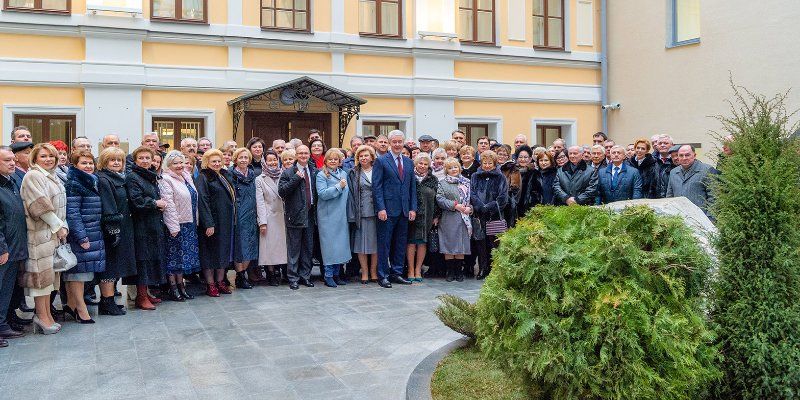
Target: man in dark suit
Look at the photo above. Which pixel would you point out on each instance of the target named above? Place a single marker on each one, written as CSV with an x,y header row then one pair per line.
x,y
298,191
576,181
13,244
619,180
692,179
395,192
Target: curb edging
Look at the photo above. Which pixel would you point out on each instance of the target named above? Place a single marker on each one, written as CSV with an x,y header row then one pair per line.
x,y
419,383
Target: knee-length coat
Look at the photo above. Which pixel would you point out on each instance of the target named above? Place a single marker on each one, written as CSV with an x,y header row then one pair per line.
x,y
269,205
116,223
334,232
246,245
217,207
148,228
454,235
45,213
84,211
427,209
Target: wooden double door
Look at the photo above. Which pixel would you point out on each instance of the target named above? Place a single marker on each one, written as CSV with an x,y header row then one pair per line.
x,y
286,125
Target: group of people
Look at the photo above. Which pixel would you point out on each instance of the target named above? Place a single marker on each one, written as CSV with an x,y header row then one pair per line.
x,y
377,212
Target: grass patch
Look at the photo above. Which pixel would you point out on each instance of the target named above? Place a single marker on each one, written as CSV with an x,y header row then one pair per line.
x,y
465,375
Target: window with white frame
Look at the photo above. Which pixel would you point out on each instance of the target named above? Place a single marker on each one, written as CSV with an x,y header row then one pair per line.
x,y
685,24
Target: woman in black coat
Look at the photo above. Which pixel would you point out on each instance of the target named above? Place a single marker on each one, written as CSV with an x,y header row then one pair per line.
x,y
643,161
544,178
148,226
488,196
217,206
117,227
525,166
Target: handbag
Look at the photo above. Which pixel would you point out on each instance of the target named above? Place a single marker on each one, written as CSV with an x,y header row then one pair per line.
x,y
477,229
496,227
433,239
64,259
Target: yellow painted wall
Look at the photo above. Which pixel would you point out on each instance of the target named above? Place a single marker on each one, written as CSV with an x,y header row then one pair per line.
x,y
35,95
502,20
286,60
526,73
378,65
517,116
184,54
195,100
251,13
40,46
378,105
78,6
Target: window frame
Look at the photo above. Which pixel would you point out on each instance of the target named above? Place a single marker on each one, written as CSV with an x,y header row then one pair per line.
x,y
474,10
467,127
261,9
39,9
546,16
541,139
673,39
178,132
71,134
377,126
378,27
178,18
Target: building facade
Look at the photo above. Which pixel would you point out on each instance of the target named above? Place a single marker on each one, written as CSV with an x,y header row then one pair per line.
x,y
670,62
492,67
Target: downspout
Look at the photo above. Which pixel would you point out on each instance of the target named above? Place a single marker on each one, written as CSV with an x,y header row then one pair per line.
x,y
604,61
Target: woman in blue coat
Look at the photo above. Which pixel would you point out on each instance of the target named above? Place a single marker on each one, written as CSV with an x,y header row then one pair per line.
x,y
84,211
334,235
246,233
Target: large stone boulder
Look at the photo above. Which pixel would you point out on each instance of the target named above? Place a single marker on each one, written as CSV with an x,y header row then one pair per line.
x,y
692,215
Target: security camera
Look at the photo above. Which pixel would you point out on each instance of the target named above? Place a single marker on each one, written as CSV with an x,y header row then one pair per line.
x,y
612,106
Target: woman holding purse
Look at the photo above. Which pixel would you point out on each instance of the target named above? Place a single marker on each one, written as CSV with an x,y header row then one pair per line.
x,y
489,196
455,224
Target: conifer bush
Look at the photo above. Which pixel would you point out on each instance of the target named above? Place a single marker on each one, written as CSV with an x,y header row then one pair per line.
x,y
457,314
584,303
757,296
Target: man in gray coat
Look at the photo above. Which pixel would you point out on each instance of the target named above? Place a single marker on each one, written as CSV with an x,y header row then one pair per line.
x,y
576,181
692,179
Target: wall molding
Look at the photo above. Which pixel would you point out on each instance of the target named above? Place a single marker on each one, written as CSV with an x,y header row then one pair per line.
x,y
9,110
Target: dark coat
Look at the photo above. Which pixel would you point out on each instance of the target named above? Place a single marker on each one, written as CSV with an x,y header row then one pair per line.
x,y
117,224
84,211
693,183
426,208
255,166
247,234
291,188
514,179
217,208
648,172
467,172
148,221
578,181
526,201
545,179
488,194
627,186
13,228
394,195
662,177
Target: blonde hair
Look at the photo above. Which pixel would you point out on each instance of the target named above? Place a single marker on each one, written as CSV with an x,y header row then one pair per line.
x,y
489,155
239,151
331,153
642,140
286,153
451,145
226,148
207,157
108,154
363,148
43,146
466,149
449,162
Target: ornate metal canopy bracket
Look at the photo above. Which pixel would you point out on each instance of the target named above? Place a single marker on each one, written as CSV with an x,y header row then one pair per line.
x,y
346,113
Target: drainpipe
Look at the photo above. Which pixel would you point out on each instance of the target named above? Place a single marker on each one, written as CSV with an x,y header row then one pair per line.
x,y
604,61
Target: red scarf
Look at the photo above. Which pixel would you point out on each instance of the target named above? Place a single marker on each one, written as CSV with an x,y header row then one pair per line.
x,y
319,161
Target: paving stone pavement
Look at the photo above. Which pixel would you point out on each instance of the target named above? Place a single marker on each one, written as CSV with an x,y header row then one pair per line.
x,y
352,342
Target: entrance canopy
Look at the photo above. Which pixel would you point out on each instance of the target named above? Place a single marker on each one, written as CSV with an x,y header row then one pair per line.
x,y
298,93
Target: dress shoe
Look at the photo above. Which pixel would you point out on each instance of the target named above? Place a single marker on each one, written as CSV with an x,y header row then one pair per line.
x,y
306,283
11,334
399,279
38,326
90,300
242,282
329,282
21,321
340,281
294,286
175,295
385,283
109,307
224,288
184,294
3,343
482,275
16,327
211,290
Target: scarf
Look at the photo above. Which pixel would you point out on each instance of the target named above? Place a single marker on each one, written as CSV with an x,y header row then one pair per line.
x,y
463,197
418,176
437,169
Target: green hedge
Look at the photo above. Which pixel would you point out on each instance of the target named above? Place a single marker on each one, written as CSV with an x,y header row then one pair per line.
x,y
584,303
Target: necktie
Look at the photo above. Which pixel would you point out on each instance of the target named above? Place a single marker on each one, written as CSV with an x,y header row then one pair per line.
x,y
400,166
308,186
614,176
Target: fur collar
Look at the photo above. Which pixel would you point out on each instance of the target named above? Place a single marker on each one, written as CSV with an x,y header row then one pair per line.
x,y
88,181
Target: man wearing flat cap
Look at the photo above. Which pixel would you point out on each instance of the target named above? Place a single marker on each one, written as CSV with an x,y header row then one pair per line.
x,y
426,143
22,157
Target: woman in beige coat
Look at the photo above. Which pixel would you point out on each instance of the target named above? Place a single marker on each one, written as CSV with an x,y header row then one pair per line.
x,y
45,213
272,241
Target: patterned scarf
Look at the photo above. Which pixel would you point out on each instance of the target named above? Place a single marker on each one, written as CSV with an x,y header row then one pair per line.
x,y
463,197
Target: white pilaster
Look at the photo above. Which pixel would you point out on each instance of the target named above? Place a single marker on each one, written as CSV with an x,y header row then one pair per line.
x,y
234,12
113,110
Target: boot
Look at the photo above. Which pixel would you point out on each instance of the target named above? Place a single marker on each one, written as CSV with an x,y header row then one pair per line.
x,y
223,287
329,282
211,290
184,294
484,272
107,306
337,276
459,265
242,282
142,299
448,265
174,294
274,278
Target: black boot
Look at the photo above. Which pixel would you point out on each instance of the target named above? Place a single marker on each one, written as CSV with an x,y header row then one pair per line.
x,y
459,266
174,294
274,277
242,282
107,306
484,273
182,291
448,265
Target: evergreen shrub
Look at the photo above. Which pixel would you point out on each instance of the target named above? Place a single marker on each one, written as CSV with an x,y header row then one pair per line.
x,y
584,303
457,314
757,296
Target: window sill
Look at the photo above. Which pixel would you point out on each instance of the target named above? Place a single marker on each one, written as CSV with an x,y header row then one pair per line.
x,y
482,44
683,43
179,21
379,36
38,11
561,49
273,29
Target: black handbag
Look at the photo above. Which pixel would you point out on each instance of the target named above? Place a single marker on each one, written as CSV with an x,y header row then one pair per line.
x,y
433,239
477,229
